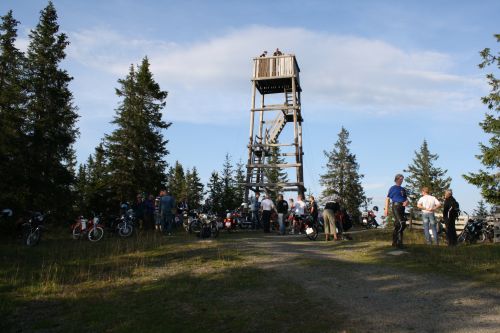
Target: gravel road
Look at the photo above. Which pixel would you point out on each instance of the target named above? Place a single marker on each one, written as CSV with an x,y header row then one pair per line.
x,y
378,298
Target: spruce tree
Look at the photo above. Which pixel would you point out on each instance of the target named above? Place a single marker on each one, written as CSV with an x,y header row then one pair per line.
x,y
276,175
423,173
98,194
194,189
137,149
342,177
228,188
215,186
12,117
489,180
239,184
177,182
52,117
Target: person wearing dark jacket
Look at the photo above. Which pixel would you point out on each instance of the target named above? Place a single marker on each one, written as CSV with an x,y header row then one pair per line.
x,y
450,214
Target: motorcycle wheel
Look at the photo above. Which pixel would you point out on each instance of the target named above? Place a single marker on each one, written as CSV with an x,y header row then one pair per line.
x,y
33,238
483,236
195,227
95,234
314,234
125,229
77,233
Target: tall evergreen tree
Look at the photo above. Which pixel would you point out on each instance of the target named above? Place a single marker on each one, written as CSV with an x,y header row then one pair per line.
x,y
489,180
422,172
137,149
228,186
276,175
12,117
342,177
194,189
215,186
177,181
51,117
239,184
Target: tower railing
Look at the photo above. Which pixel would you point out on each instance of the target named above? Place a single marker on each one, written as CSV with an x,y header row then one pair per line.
x,y
275,67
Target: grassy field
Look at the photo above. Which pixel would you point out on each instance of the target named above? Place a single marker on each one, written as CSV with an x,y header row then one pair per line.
x,y
182,284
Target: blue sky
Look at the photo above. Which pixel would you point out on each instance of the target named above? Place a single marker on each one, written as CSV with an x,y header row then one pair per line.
x,y
393,73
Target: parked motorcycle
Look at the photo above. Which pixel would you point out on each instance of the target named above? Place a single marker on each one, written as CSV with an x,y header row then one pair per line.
x,y
231,221
305,224
91,228
205,226
368,219
127,223
473,232
33,227
188,218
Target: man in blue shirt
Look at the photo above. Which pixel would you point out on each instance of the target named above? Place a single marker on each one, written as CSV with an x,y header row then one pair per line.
x,y
397,194
167,204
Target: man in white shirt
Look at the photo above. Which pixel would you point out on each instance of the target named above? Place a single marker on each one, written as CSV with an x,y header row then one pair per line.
x,y
299,212
428,204
267,206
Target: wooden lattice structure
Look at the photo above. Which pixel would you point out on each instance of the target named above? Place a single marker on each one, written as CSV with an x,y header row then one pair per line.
x,y
276,80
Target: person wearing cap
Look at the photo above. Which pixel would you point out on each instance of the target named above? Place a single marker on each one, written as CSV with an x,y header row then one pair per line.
x,y
397,195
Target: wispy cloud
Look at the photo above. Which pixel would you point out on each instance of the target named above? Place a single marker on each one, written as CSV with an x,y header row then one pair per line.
x,y
208,80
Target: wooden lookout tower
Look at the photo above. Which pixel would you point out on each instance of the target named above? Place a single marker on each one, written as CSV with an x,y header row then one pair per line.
x,y
276,79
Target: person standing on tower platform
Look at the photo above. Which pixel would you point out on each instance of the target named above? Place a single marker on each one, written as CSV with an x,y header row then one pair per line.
x,y
397,194
277,52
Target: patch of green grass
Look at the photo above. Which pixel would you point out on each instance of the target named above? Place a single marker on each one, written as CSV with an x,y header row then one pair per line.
x,y
150,283
478,262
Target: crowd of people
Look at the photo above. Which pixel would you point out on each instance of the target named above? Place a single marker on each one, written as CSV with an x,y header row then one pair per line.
x,y
163,213
293,213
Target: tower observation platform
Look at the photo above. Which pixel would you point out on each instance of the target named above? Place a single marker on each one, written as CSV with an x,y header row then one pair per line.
x,y
275,104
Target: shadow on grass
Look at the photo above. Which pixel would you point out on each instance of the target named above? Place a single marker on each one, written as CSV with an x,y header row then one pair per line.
x,y
239,283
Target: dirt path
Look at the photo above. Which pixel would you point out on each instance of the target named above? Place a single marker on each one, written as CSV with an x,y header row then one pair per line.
x,y
375,298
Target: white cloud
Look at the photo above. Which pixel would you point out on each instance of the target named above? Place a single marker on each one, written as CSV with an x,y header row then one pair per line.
x,y
209,80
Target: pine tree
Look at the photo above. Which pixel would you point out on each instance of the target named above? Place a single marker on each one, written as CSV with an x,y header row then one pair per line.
x,y
177,182
489,180
276,175
342,177
12,117
239,184
215,185
481,211
194,189
98,194
228,188
51,117
136,149
423,173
